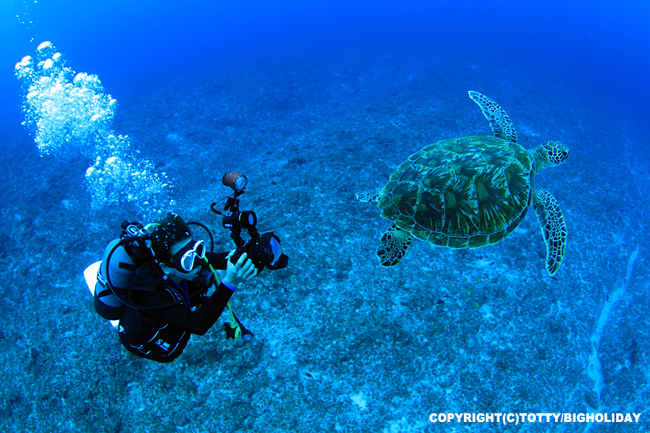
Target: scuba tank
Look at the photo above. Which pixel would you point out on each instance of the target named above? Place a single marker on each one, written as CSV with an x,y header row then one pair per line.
x,y
120,263
121,268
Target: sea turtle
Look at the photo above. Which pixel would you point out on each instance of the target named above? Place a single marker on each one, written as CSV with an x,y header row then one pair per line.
x,y
471,192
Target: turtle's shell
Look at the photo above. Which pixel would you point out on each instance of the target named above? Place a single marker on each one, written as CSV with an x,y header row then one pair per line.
x,y
460,193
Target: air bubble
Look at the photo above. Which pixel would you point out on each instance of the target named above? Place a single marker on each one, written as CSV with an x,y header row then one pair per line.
x,y
68,114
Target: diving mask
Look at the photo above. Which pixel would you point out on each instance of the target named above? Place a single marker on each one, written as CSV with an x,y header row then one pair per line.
x,y
184,259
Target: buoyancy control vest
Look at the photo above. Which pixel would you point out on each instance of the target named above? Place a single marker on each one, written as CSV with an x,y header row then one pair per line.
x,y
146,337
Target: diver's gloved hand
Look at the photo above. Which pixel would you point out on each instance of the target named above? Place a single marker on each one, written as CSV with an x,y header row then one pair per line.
x,y
240,272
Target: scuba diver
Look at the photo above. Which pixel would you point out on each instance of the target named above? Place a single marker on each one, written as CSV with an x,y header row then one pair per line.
x,y
153,282
166,299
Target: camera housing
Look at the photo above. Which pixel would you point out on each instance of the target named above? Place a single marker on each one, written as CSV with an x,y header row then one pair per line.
x,y
265,251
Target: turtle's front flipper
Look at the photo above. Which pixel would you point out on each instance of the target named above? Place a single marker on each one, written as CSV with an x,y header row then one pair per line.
x,y
553,227
394,244
499,121
371,194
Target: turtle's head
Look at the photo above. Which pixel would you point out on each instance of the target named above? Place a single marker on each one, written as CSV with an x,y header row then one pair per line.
x,y
549,154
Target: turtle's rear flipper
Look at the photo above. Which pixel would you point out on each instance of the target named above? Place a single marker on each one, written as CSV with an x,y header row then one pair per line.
x,y
371,194
499,121
394,244
553,227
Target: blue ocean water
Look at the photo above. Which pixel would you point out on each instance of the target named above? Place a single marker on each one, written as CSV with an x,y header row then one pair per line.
x,y
314,102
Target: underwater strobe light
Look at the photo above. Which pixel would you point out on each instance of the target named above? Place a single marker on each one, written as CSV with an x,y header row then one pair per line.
x,y
236,181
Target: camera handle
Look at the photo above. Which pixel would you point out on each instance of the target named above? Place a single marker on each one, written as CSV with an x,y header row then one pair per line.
x,y
235,235
232,204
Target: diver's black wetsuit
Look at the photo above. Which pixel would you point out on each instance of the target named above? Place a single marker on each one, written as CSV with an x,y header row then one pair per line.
x,y
162,334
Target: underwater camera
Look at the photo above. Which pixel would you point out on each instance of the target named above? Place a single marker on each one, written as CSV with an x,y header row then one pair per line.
x,y
265,250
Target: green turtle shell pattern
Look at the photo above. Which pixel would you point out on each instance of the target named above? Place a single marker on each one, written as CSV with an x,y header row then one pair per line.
x,y
460,193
